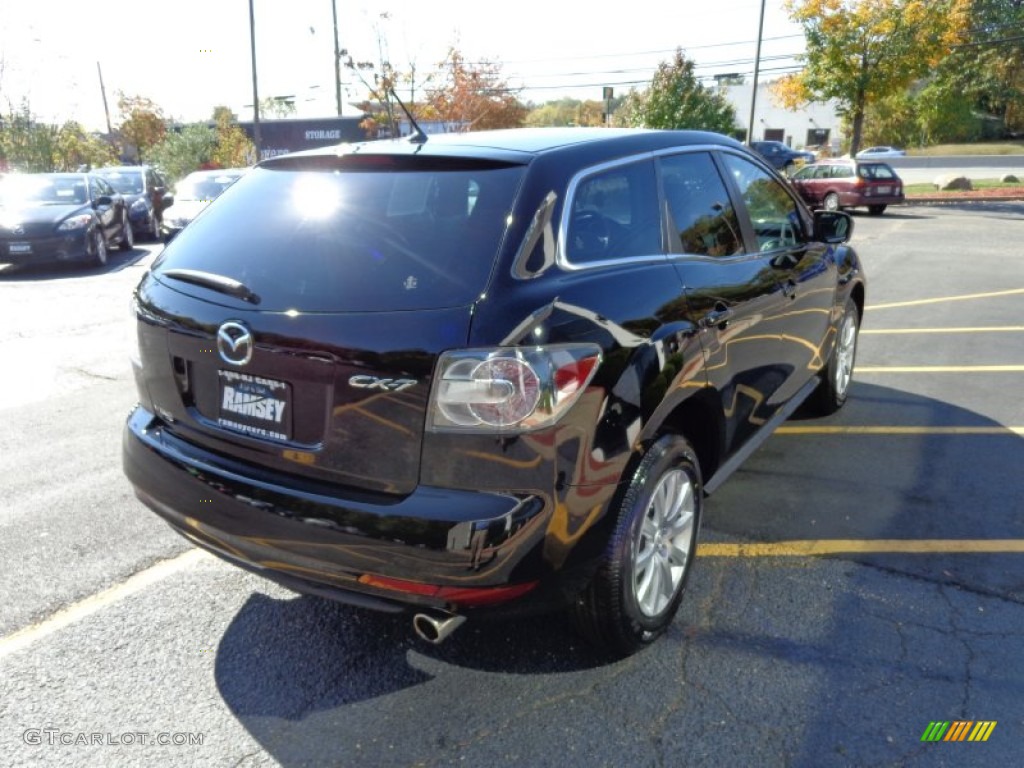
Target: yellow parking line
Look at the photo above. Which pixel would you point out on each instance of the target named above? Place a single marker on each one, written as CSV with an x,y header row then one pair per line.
x,y
940,368
812,548
944,299
66,616
894,430
983,329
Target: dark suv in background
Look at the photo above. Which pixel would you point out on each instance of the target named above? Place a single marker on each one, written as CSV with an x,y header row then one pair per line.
x,y
781,156
485,372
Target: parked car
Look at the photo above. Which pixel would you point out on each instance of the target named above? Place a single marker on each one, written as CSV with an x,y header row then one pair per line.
x,y
53,217
780,155
837,184
485,372
877,153
143,188
192,194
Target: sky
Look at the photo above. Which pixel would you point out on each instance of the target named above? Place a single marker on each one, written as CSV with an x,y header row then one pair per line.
x,y
191,55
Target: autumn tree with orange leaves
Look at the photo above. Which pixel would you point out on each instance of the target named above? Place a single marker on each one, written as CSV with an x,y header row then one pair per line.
x,y
859,52
473,96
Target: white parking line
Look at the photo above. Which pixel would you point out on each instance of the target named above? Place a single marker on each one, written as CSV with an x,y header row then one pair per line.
x,y
26,636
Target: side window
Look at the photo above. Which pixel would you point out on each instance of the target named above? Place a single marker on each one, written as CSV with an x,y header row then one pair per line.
x,y
614,215
841,171
699,203
773,213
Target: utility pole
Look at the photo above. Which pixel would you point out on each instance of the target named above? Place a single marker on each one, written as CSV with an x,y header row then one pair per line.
x,y
757,71
103,91
337,57
255,92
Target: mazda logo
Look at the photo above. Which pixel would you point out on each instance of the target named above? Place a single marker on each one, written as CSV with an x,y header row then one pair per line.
x,y
18,230
234,343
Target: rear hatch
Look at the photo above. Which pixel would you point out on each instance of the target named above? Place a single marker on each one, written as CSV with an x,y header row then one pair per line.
x,y
878,180
294,326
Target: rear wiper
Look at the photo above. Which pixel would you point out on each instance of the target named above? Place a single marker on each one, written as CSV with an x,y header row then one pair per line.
x,y
215,282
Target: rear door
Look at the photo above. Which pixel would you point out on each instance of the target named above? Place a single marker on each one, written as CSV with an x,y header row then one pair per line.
x,y
731,290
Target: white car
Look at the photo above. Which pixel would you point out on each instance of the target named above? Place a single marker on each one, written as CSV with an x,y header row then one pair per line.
x,y
192,194
877,152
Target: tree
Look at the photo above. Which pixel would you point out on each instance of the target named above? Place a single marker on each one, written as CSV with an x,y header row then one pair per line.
x,y
570,112
859,52
473,96
677,100
25,144
184,151
277,106
74,149
985,67
233,150
142,122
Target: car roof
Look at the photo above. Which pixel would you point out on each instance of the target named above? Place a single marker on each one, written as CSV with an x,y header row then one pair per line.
x,y
522,143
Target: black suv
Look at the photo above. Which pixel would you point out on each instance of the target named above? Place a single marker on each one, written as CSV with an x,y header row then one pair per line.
x,y
490,371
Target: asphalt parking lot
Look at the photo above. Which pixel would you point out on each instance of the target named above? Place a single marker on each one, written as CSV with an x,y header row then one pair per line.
x,y
861,578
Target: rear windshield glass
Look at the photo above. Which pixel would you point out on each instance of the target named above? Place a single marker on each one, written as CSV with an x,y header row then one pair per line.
x,y
877,171
368,238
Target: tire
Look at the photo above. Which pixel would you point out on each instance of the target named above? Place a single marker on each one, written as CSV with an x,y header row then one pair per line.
x,y
876,210
831,202
154,227
99,249
127,236
636,591
836,376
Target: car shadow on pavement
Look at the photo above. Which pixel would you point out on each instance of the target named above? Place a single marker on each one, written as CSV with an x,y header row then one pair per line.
x,y
315,682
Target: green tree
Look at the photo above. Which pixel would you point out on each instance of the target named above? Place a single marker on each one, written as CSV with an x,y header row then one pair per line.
x,y
676,100
26,144
985,66
184,151
277,106
233,150
859,52
570,112
142,123
74,148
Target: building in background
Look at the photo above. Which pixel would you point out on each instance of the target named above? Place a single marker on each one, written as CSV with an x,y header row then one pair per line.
x,y
281,136
816,126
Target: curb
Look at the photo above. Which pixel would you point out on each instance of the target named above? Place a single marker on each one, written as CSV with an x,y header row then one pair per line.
x,y
928,200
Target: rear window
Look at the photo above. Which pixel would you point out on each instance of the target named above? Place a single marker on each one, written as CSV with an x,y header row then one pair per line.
x,y
876,171
371,237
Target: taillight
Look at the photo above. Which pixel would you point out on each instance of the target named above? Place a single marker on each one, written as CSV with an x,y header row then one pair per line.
x,y
509,390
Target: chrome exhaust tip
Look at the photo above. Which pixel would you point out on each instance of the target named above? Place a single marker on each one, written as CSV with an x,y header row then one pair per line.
x,y
436,628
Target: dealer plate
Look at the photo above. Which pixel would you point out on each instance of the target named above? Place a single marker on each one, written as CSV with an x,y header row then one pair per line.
x,y
19,248
255,405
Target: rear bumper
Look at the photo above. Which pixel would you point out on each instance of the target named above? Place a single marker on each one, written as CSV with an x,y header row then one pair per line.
x,y
854,201
71,247
477,549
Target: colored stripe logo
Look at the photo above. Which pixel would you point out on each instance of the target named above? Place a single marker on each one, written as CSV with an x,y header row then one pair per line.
x,y
958,730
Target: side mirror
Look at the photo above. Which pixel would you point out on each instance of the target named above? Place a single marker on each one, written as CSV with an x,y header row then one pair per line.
x,y
167,201
832,227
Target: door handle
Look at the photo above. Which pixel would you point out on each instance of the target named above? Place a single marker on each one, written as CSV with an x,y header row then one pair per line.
x,y
719,316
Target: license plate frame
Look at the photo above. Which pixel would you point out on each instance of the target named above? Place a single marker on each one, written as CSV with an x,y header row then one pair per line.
x,y
883,190
19,249
254,405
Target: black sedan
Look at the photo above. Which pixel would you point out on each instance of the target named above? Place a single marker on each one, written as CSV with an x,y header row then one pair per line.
x,y
143,189
57,217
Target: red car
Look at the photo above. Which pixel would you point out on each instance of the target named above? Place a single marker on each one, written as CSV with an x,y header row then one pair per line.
x,y
837,184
